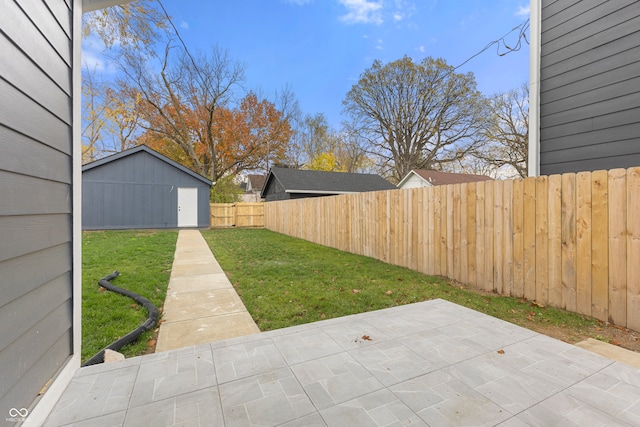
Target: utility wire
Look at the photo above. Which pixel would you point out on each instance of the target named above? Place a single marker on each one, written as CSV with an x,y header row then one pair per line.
x,y
522,35
184,45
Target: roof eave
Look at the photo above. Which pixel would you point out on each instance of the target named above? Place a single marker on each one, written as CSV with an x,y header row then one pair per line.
x,y
91,5
320,192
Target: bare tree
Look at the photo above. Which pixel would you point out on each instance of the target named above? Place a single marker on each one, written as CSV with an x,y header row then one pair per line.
x,y
137,25
416,115
95,102
181,90
507,131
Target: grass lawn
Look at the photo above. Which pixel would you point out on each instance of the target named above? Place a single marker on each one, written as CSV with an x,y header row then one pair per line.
x,y
285,281
144,260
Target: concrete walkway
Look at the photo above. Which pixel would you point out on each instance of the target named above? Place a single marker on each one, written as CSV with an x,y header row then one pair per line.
x,y
201,305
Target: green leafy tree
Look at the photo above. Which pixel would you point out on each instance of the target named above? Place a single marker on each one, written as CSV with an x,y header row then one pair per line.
x,y
225,190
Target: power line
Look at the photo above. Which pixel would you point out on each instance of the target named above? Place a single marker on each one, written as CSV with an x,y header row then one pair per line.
x,y
175,30
522,35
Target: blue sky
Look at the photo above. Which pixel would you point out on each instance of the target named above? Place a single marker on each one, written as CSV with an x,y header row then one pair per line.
x,y
320,47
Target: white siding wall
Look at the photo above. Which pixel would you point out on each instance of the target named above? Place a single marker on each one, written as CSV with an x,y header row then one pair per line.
x,y
415,181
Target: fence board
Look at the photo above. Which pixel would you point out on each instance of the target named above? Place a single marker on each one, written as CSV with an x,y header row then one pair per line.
x,y
507,218
481,249
437,233
444,216
583,243
542,240
457,231
413,230
599,246
430,201
451,217
488,236
554,218
633,248
617,183
464,240
529,235
567,217
498,236
472,226
518,238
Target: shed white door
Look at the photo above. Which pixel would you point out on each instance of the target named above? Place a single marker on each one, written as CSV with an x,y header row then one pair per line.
x,y
187,207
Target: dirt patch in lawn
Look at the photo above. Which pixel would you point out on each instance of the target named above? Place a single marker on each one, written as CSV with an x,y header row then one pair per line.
x,y
611,334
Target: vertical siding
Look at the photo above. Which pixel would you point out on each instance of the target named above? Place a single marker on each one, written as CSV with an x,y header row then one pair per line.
x,y
35,194
137,191
590,85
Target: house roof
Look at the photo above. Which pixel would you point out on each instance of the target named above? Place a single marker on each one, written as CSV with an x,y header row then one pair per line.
x,y
144,148
256,181
320,182
444,178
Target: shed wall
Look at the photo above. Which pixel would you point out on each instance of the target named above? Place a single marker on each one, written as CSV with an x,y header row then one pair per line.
x,y
275,191
137,191
589,85
36,191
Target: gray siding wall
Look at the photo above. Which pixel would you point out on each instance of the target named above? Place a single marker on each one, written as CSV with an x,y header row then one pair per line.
x,y
35,197
589,85
137,191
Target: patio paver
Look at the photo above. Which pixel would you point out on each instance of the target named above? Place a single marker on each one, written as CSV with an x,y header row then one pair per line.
x,y
429,363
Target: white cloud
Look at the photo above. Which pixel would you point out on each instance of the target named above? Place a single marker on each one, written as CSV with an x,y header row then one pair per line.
x,y
379,43
184,25
404,10
421,49
523,11
362,12
93,57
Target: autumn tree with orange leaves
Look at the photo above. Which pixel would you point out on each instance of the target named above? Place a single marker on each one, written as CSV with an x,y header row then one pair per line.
x,y
245,137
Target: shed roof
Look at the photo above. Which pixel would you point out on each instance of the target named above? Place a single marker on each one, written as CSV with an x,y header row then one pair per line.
x,y
444,178
321,182
144,148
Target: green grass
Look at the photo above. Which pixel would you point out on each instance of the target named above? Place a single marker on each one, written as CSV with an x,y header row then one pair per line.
x,y
144,260
285,281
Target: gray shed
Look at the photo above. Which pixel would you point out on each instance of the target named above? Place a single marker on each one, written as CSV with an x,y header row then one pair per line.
x,y
141,188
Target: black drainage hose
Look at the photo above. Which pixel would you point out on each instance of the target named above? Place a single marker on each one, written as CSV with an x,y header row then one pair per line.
x,y
152,318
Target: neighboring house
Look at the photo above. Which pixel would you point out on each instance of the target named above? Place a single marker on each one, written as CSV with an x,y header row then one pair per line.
x,y
141,188
585,85
285,184
40,170
253,188
427,178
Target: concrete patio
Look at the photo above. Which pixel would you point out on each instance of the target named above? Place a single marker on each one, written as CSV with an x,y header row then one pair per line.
x,y
430,363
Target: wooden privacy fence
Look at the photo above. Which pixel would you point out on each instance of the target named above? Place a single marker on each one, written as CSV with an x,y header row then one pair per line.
x,y
237,214
570,241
